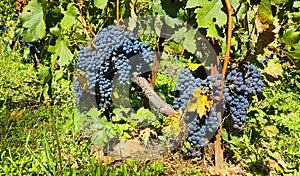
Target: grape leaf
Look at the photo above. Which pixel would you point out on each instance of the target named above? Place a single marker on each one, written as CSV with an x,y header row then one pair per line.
x,y
265,12
201,103
273,69
101,4
192,4
291,36
179,34
189,42
157,8
210,10
194,66
70,17
294,54
271,130
93,112
146,134
212,31
60,49
33,20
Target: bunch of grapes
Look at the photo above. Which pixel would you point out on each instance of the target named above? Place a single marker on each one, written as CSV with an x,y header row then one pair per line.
x,y
242,81
200,129
113,54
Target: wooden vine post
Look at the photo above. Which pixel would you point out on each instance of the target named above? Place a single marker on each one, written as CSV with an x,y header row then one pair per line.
x,y
219,157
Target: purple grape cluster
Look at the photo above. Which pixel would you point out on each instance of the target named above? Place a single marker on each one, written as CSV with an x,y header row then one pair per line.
x,y
242,81
200,129
115,53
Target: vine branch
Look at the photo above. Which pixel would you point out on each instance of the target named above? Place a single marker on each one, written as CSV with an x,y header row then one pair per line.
x,y
153,97
228,43
219,154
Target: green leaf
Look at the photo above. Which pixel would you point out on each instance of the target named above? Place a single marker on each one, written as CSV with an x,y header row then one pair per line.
x,y
93,112
192,3
60,49
101,4
189,42
271,130
278,2
296,4
212,31
33,20
225,135
265,12
291,36
70,17
178,36
294,54
210,10
157,8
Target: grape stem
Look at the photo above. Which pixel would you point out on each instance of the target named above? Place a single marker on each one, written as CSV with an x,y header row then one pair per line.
x,y
153,97
85,24
55,135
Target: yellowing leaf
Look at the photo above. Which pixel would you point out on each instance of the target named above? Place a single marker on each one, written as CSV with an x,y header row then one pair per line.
x,y
271,130
116,95
265,12
172,127
273,69
201,103
194,67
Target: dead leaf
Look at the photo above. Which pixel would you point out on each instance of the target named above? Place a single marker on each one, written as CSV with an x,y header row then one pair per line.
x,y
146,134
260,26
218,171
75,165
272,164
13,114
281,160
101,157
20,114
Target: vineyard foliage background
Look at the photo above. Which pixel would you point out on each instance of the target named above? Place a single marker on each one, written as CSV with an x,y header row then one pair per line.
x,y
37,79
